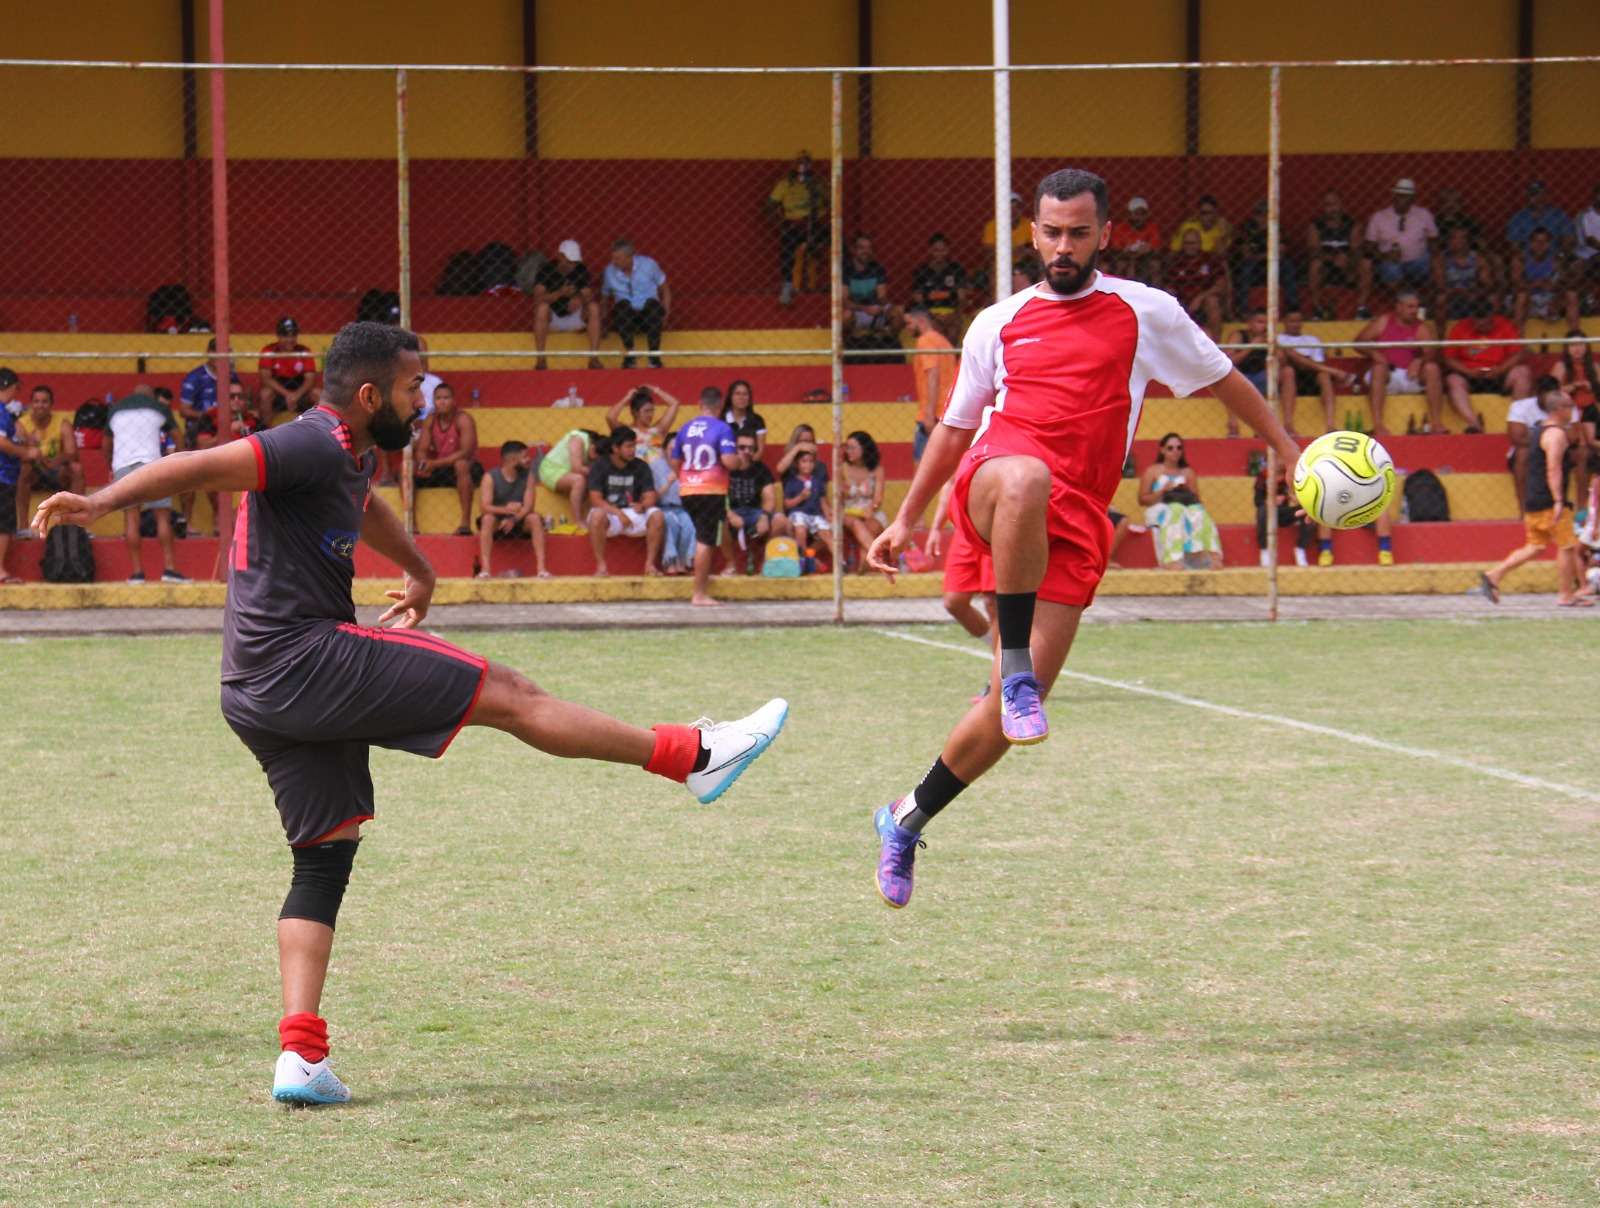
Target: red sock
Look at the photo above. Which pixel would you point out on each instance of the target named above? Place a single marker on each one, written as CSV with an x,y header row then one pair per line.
x,y
304,1033
677,747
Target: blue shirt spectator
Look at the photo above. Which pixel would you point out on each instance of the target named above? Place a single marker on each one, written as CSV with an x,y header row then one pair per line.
x,y
199,389
638,284
1538,213
10,465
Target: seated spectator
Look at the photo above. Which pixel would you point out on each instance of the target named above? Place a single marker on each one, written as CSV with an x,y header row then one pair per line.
x,y
564,470
805,499
1169,492
505,503
1027,270
1540,277
641,300
1215,231
1289,515
197,400
1199,280
1461,277
1586,239
650,427
1522,417
753,514
1577,363
15,453
861,485
1331,248
1247,267
1122,527
1251,362
137,430
933,375
1137,245
741,415
447,453
1021,229
1402,370
799,203
677,536
1480,368
1382,527
1397,246
802,439
958,601
563,300
243,421
1448,215
287,374
870,319
622,501
939,286
1305,371
1538,213
55,466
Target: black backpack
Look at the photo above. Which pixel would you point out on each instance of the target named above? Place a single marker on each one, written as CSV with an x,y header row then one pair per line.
x,y
92,414
68,555
168,302
379,306
497,266
1426,501
460,277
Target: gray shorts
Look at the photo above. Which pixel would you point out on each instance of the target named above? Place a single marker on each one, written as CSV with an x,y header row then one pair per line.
x,y
154,504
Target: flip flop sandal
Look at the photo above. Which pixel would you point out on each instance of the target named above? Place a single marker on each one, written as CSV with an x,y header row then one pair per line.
x,y
1488,589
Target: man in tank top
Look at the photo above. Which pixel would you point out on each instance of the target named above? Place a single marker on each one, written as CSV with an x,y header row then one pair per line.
x,y
1401,369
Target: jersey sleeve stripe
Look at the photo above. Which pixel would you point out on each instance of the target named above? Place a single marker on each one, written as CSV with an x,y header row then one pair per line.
x,y
261,461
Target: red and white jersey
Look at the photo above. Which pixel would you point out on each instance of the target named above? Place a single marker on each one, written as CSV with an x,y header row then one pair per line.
x,y
1063,377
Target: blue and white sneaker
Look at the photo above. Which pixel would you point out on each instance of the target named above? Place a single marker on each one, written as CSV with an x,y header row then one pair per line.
x,y
896,855
296,1080
733,746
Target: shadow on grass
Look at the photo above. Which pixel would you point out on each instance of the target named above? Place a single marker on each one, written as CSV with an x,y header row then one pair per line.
x,y
141,1044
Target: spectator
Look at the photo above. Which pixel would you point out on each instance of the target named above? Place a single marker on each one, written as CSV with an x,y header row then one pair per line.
x,y
677,534
1169,491
564,470
1215,231
10,389
1407,369
55,466
862,485
1586,233
640,297
805,499
1448,215
650,427
1522,417
1121,527
741,415
800,206
1198,279
1461,277
1251,362
1305,370
447,453
752,505
939,286
933,373
1539,275
959,602
1247,267
801,439
1026,270
244,421
1382,526
622,501
702,455
1289,515
1021,229
288,374
1478,368
1137,244
14,454
563,300
1330,244
136,430
1398,246
197,400
871,321
505,503
1547,512
1577,364
1538,213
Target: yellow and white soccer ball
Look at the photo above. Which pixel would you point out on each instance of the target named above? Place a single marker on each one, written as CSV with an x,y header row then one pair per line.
x,y
1344,479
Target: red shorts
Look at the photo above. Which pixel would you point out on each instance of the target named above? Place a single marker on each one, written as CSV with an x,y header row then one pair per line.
x,y
1079,531
966,568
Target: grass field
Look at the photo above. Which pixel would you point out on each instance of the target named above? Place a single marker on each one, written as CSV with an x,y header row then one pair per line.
x,y
1169,957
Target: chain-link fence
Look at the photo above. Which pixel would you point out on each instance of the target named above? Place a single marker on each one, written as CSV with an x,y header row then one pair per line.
x,y
583,248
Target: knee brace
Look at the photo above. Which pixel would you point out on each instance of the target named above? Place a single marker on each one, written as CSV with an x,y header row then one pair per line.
x,y
320,876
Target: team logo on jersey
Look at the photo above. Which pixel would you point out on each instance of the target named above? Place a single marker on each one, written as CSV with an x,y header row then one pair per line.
x,y
338,543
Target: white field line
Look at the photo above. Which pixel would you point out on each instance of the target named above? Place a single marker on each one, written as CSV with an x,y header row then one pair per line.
x,y
1308,727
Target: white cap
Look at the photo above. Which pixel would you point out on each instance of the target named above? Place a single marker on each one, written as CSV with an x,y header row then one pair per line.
x,y
570,249
1405,185
1137,203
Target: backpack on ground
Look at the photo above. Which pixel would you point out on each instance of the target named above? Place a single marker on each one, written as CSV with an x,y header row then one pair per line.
x,y
497,267
782,560
460,276
68,555
89,424
1425,499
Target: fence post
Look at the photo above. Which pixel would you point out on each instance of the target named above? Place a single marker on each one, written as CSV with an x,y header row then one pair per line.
x,y
408,492
1002,148
836,335
220,285
1274,242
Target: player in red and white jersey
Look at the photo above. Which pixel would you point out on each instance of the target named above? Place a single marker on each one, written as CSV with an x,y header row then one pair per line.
x,y
1038,425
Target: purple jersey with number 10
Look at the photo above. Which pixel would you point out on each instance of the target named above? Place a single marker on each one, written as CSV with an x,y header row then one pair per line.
x,y
700,445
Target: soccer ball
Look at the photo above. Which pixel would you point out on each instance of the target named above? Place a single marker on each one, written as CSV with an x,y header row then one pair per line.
x,y
1344,479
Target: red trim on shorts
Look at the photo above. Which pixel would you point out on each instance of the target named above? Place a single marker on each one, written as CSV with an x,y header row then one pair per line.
x,y
413,637
323,838
483,678
261,461
241,534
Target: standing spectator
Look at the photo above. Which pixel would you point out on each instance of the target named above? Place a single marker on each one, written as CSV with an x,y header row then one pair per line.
x,y
1199,280
447,455
1522,417
288,374
1330,247
939,286
1405,369
622,501
14,454
197,400
1247,266
800,207
1137,244
1461,277
1539,274
136,430
861,483
1586,237
1215,231
871,321
650,427
1478,368
1398,246
933,372
1289,515
1169,491
55,466
505,502
752,504
1536,214
1252,362
563,300
805,499
640,297
741,415
1547,512
702,455
1306,371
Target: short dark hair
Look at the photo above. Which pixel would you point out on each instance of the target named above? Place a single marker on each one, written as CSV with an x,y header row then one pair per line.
x,y
1539,230
8,378
622,245
937,237
1257,310
1482,308
1545,385
622,434
1206,199
641,397
511,448
445,386
1066,183
162,392
363,352
42,388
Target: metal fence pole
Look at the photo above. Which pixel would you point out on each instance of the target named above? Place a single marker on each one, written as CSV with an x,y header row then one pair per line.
x,y
836,336
220,284
1002,148
408,493
1274,241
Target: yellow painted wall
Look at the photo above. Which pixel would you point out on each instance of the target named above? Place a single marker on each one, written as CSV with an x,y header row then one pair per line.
x,y
1566,99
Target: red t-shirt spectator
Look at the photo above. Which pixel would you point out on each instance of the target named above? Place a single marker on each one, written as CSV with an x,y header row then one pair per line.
x,y
1191,276
1124,235
1483,356
289,366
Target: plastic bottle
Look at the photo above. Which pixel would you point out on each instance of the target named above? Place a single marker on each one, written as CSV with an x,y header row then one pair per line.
x,y
72,321
476,394
111,397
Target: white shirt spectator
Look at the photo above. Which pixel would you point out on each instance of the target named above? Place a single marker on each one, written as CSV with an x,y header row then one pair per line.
x,y
1525,411
1410,231
1306,344
1588,225
136,425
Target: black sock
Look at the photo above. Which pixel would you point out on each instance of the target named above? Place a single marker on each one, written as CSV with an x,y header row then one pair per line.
x,y
938,789
703,758
1014,617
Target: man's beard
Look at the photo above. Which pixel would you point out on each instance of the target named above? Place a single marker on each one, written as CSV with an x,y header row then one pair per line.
x,y
389,432
1064,280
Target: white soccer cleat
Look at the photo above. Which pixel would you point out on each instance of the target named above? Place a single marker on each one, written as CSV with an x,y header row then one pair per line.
x,y
296,1080
733,746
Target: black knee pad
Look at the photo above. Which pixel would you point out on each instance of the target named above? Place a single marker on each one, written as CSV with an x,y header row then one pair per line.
x,y
320,876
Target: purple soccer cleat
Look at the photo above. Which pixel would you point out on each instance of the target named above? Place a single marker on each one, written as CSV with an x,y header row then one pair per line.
x,y
1022,718
895,857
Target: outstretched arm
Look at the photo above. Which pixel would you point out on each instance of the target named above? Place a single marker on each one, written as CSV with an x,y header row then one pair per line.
x,y
235,466
381,529
1236,394
939,461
